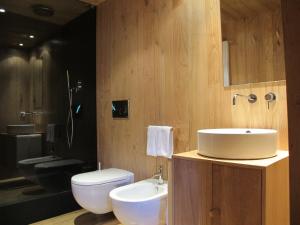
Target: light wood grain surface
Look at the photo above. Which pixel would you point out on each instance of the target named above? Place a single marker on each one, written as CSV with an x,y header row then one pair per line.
x,y
93,2
165,57
237,193
219,192
276,202
193,186
256,48
80,217
259,163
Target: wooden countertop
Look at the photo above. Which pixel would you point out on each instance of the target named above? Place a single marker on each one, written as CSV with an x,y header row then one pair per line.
x,y
259,163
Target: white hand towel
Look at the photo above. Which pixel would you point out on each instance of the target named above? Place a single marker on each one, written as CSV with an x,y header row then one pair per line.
x,y
160,141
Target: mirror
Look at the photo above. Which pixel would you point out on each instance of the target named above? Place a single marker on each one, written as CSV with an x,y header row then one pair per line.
x,y
253,47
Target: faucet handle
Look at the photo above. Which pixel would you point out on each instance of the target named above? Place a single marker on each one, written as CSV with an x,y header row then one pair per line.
x,y
252,98
270,97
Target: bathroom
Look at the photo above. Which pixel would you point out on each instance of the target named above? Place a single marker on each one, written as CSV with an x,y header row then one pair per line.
x,y
35,56
166,59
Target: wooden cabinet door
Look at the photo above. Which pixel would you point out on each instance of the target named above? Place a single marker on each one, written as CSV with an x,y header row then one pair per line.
x,y
192,192
237,195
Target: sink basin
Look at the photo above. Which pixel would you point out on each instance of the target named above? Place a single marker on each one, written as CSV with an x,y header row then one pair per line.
x,y
237,143
20,129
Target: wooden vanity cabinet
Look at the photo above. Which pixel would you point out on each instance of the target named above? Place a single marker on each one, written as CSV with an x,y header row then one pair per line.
x,y
230,192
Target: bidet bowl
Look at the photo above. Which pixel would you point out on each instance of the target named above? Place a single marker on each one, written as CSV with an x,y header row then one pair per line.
x,y
141,203
235,143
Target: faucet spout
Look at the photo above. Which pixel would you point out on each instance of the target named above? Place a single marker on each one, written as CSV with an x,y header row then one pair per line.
x,y
158,176
252,98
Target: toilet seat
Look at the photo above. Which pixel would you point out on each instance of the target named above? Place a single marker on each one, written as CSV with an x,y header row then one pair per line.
x,y
91,189
99,177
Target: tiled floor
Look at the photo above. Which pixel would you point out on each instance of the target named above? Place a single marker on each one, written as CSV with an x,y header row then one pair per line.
x,y
80,217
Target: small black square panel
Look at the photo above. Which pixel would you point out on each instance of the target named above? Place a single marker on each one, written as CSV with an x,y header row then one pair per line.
x,y
120,109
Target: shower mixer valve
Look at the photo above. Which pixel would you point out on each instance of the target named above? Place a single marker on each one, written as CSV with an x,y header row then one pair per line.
x,y
270,97
78,86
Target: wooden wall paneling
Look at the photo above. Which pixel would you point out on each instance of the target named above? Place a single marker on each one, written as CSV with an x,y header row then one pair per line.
x,y
165,56
291,15
209,102
256,47
258,115
122,74
104,45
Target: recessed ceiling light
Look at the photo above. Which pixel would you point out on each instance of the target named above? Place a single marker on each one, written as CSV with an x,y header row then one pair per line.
x,y
21,44
31,36
2,10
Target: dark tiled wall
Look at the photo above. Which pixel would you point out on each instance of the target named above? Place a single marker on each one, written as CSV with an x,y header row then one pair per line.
x,y
73,49
35,80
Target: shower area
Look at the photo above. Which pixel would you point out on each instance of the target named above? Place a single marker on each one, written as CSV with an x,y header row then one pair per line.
x,y
48,108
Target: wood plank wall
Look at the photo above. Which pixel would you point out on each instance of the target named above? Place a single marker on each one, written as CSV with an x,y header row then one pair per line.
x,y
165,56
256,48
291,15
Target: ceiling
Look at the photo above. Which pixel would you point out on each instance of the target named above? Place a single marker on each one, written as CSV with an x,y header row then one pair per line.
x,y
16,29
247,8
20,21
65,10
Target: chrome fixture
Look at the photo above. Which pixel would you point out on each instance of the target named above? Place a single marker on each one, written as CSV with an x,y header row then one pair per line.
x,y
252,98
78,86
159,175
23,114
70,119
270,97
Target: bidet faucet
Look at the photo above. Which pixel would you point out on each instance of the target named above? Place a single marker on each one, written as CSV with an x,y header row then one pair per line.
x,y
158,176
252,98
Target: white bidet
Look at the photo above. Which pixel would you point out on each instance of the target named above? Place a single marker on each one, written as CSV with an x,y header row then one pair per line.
x,y
141,203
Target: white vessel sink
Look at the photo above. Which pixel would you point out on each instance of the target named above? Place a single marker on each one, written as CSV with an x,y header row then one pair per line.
x,y
20,129
237,143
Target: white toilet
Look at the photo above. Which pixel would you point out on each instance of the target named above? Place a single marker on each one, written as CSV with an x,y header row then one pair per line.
x,y
141,203
91,189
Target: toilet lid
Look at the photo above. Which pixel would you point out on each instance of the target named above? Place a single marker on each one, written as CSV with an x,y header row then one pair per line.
x,y
101,176
32,161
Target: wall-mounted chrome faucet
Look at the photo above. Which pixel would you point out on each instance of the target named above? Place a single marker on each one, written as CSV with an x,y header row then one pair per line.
x,y
252,98
270,97
159,176
23,114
